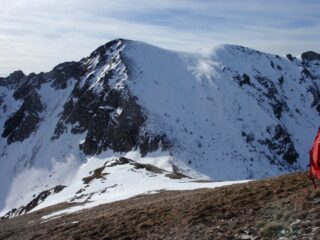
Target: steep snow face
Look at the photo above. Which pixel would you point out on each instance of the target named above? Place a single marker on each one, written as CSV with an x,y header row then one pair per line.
x,y
232,113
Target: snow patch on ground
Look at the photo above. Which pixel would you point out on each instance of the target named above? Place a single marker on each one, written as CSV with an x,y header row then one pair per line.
x,y
118,182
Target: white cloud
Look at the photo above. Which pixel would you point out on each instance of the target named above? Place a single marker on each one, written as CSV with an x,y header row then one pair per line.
x,y
36,35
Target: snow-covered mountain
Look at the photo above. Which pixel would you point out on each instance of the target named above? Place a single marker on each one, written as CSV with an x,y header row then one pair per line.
x,y
228,114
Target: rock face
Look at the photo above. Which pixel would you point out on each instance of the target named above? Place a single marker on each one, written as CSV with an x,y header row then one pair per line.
x,y
235,108
115,123
281,144
109,114
310,56
23,122
32,204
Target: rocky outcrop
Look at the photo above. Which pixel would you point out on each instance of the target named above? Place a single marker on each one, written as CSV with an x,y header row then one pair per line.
x,y
270,90
13,79
110,115
280,144
242,80
314,90
32,204
112,120
23,122
310,56
62,73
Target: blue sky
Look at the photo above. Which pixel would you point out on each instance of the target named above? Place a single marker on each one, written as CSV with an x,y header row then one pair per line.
x,y
36,35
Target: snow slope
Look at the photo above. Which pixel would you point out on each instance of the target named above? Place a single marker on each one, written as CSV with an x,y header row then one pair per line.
x,y
229,114
118,182
196,100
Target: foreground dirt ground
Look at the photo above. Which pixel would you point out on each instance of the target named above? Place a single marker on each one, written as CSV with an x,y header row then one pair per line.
x,y
285,207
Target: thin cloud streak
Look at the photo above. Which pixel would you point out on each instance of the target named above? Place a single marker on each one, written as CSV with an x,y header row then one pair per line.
x,y
36,35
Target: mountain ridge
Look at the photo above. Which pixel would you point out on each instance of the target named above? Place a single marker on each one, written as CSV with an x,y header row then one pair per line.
x,y
230,114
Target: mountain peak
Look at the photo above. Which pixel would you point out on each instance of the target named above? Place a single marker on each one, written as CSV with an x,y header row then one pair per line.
x,y
229,115
111,44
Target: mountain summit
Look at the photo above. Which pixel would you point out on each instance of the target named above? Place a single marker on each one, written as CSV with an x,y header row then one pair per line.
x,y
132,114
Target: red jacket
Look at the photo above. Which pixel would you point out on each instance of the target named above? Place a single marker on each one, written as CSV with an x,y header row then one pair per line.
x,y
314,156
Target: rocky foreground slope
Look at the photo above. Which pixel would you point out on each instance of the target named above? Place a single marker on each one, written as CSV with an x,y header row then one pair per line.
x,y
228,114
285,207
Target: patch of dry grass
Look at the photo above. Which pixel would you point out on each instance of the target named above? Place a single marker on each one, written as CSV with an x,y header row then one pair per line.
x,y
285,206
